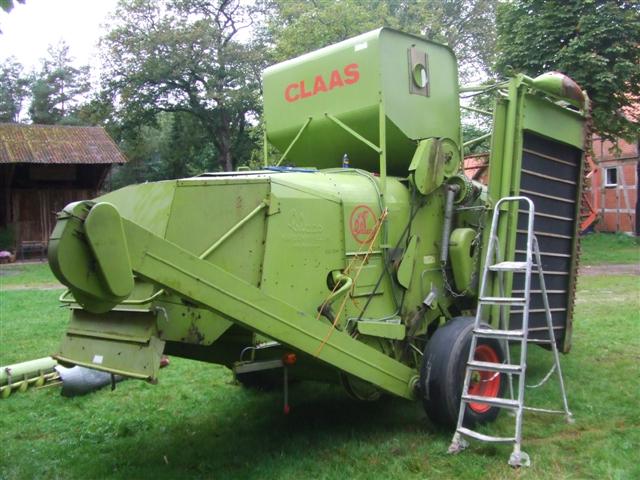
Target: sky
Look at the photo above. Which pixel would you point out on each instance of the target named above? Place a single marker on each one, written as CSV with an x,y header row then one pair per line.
x,y
29,29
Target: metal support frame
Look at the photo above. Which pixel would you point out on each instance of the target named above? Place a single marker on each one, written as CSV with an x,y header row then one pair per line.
x,y
380,149
293,142
477,110
479,139
353,133
233,229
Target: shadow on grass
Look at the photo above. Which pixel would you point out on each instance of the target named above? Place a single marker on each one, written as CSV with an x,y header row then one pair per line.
x,y
254,439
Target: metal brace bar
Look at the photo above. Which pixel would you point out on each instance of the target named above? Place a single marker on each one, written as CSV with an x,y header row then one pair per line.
x,y
293,142
350,130
233,229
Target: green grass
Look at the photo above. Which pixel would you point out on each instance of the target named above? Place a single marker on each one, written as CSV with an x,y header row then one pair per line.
x,y
31,324
197,424
603,248
26,274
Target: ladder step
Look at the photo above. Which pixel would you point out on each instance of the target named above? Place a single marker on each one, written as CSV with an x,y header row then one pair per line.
x,y
508,335
504,300
484,438
494,367
544,410
510,267
493,401
500,334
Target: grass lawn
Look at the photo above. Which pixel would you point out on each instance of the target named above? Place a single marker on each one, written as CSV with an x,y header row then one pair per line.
x,y
197,424
19,275
603,248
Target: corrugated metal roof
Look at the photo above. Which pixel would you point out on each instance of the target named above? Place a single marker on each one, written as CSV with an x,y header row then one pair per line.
x,y
56,144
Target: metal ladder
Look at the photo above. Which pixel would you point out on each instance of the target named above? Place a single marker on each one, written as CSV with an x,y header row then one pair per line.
x,y
518,458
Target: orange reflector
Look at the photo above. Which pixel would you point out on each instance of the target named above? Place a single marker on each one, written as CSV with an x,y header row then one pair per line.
x,y
289,359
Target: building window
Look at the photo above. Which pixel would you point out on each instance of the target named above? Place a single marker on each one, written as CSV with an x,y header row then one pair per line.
x,y
611,177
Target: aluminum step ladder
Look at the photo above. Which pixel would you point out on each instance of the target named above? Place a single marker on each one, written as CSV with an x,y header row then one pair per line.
x,y
493,265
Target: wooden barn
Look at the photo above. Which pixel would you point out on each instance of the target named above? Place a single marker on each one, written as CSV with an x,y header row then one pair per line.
x,y
42,168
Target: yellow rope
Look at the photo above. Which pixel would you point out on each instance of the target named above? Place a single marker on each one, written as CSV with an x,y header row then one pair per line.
x,y
378,226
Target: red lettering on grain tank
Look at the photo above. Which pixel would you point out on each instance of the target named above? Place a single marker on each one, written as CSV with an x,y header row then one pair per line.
x,y
319,85
336,80
303,92
297,90
287,92
352,74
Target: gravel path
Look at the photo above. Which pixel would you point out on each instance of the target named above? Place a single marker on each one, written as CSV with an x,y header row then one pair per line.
x,y
623,269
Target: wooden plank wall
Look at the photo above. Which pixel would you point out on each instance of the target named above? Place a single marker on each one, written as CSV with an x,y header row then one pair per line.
x,y
34,210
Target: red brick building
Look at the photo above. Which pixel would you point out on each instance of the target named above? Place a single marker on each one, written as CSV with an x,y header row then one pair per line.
x,y
476,167
614,186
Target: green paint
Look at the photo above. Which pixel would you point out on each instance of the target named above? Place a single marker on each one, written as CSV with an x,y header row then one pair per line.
x,y
461,254
208,266
109,247
427,166
393,330
383,79
407,265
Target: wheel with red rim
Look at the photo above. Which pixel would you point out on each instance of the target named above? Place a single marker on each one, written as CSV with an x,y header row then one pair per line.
x,y
484,383
442,374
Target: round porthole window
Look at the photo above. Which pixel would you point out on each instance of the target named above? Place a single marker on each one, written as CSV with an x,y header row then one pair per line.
x,y
420,75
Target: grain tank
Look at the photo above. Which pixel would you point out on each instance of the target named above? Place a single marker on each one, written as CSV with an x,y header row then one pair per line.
x,y
343,257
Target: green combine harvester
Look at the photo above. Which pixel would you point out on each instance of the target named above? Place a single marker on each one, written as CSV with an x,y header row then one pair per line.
x,y
354,258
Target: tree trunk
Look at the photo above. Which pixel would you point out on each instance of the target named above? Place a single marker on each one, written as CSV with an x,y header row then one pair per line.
x,y
226,160
223,143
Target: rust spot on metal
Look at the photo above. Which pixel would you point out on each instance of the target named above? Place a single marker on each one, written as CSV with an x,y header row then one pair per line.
x,y
572,90
194,335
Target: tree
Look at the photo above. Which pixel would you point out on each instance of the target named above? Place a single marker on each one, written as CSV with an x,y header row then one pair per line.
x,y
596,42
175,147
467,26
58,89
41,110
306,25
186,56
7,5
13,90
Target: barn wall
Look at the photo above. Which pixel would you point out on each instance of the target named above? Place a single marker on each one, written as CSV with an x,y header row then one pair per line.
x,y
33,211
35,193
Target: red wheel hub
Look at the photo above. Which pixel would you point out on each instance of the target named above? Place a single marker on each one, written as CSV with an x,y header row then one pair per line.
x,y
484,383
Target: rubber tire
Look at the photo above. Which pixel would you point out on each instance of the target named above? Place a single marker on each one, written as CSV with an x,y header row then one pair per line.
x,y
442,374
359,390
